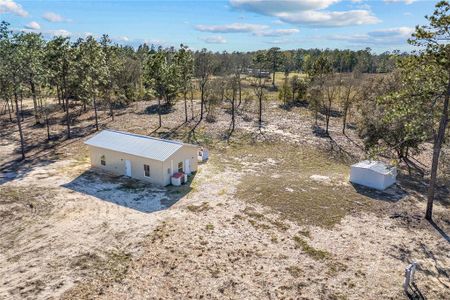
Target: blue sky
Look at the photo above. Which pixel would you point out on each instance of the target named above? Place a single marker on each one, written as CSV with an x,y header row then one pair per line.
x,y
232,25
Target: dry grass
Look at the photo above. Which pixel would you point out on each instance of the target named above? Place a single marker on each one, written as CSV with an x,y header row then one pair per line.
x,y
199,208
311,251
99,272
279,176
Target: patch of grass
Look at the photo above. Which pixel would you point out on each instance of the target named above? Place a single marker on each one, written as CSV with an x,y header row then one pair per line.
x,y
274,239
305,233
209,227
294,271
251,212
310,202
259,225
335,267
311,251
99,271
199,208
222,192
280,225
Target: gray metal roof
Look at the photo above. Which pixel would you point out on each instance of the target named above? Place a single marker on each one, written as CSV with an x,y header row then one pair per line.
x,y
377,166
135,144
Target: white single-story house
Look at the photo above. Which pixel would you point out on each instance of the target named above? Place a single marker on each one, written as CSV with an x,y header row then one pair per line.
x,y
373,174
141,157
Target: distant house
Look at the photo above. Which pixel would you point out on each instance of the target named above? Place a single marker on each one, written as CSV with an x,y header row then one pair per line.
x,y
141,157
373,174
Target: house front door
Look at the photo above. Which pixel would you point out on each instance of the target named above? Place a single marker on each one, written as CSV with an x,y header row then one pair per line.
x,y
187,167
127,168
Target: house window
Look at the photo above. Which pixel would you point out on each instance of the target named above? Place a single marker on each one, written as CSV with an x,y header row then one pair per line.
x,y
146,170
180,166
168,171
102,160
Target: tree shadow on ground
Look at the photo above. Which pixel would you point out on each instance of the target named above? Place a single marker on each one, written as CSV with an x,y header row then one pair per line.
x,y
414,293
334,113
128,192
164,109
319,131
441,232
290,105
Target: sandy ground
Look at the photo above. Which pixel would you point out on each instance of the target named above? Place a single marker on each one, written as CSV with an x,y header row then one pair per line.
x,y
87,235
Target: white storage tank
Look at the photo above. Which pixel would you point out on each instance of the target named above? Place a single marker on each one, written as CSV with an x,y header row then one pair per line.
x,y
373,174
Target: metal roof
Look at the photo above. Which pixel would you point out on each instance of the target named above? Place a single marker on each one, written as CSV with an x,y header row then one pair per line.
x,y
135,144
377,166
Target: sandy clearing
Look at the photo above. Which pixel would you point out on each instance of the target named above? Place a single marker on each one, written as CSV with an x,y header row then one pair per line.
x,y
224,249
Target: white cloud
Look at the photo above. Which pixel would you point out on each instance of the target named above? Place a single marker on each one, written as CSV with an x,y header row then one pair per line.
x,y
57,32
280,42
214,39
391,36
9,6
273,7
330,19
234,27
397,1
53,17
48,33
33,25
255,29
276,32
307,12
123,38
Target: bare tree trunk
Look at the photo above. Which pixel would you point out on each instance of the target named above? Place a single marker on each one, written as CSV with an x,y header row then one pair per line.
x,y
47,125
327,117
59,96
111,109
344,119
233,118
35,103
192,104
185,106
202,100
439,139
159,112
67,116
9,110
19,125
260,110
240,90
95,114
21,105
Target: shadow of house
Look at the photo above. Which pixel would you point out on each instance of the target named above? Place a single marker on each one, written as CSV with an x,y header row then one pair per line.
x,y
392,194
127,192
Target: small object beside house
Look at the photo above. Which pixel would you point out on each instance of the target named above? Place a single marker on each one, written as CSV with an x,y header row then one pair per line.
x,y
373,174
141,157
203,154
178,179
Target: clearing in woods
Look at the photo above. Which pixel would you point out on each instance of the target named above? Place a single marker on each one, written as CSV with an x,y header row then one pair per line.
x,y
270,215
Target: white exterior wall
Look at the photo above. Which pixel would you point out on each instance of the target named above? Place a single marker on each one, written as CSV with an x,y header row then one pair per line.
x,y
115,163
186,152
371,178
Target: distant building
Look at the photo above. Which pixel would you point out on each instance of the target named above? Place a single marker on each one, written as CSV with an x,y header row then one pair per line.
x,y
257,73
373,174
141,157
